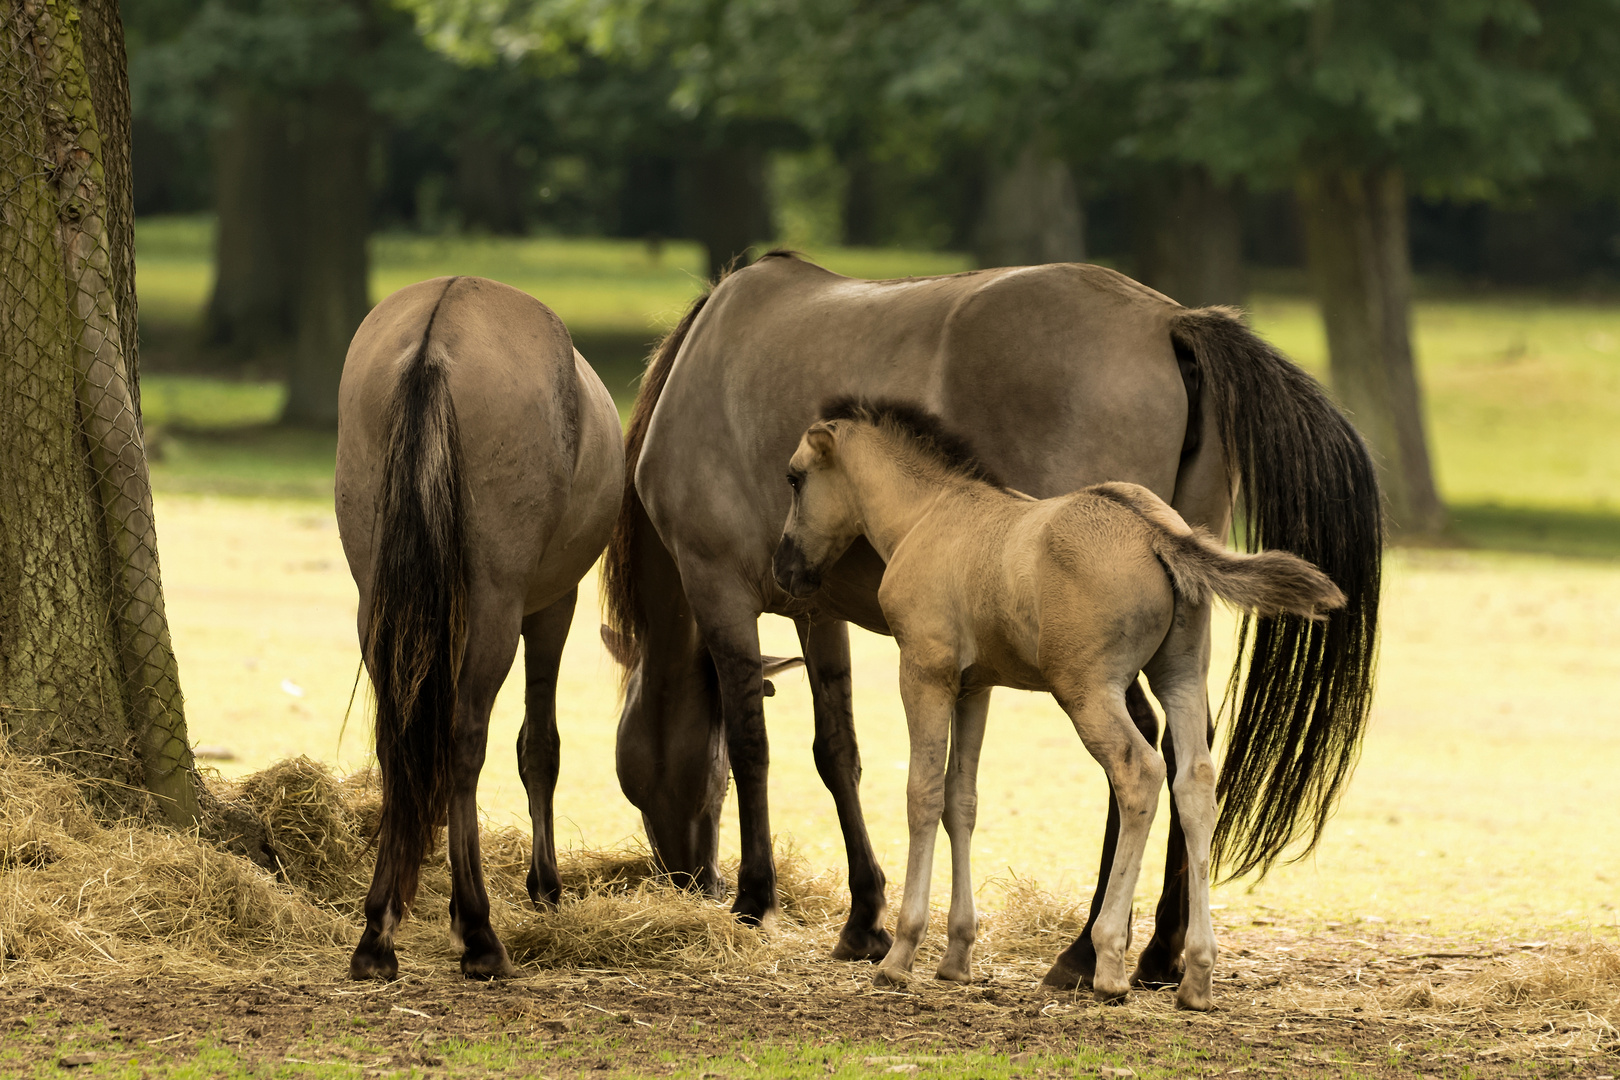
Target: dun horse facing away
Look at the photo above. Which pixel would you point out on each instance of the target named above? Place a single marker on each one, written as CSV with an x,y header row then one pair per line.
x,y
1072,595
479,468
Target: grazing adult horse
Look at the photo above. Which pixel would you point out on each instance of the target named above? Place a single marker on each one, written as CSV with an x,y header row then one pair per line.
x,y
478,470
1066,375
1072,595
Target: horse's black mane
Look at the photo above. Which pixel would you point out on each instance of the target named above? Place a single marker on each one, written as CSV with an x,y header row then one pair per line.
x,y
922,427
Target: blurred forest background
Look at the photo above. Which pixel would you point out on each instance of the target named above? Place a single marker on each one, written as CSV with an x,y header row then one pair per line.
x,y
1218,151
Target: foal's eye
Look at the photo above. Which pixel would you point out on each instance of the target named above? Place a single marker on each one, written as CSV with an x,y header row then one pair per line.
x,y
793,481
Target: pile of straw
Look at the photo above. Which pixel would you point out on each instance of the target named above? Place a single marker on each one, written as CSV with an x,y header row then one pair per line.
x,y
78,892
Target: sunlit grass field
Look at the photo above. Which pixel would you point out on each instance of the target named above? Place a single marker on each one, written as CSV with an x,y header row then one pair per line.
x,y
1485,799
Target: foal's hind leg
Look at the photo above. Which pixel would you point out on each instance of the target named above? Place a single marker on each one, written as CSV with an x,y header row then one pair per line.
x,y
961,812
538,745
492,639
1177,674
838,760
1135,772
1075,967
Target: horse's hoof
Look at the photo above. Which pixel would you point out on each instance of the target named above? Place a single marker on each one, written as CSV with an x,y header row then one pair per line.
x,y
893,978
752,912
487,965
959,975
547,897
1062,976
856,944
381,964
1157,971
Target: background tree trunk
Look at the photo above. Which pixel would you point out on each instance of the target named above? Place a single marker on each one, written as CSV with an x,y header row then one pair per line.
x,y
258,188
1031,213
87,675
1188,235
1360,263
728,204
333,264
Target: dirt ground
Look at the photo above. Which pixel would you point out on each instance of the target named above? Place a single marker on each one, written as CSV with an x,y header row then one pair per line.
x,y
1357,1002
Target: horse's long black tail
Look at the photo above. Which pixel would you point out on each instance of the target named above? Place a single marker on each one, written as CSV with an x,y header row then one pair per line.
x,y
1308,485
416,627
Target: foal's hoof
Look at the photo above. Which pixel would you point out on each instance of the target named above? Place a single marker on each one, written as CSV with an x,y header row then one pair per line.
x,y
1188,998
854,944
1064,976
1109,995
891,978
373,963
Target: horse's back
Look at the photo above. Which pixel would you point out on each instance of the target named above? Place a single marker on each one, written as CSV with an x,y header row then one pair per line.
x,y
538,433
1061,376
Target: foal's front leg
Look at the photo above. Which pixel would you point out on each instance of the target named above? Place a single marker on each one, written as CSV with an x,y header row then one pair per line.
x,y
961,812
928,691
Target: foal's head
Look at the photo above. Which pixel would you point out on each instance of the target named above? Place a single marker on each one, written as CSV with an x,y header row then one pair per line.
x,y
823,519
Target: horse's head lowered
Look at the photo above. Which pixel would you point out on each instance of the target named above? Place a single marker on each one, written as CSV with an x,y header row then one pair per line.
x,y
824,516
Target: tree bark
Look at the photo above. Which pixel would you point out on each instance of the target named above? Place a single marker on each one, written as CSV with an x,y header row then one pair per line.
x,y
728,206
1188,234
1031,213
258,181
1360,263
87,675
333,263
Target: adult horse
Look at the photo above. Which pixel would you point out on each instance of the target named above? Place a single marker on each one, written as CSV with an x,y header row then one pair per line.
x,y
1064,376
478,470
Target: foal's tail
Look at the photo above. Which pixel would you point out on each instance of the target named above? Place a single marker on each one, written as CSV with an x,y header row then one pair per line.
x,y
1268,583
416,627
1308,486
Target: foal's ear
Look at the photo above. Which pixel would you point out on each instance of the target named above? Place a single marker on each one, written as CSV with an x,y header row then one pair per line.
x,y
820,438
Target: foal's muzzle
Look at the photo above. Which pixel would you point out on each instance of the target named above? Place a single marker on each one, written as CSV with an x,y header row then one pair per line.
x,y
792,572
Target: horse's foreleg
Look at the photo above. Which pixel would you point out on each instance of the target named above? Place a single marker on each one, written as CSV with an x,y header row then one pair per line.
x,y
961,812
538,745
1077,964
838,760
491,645
735,648
1179,675
1135,772
929,695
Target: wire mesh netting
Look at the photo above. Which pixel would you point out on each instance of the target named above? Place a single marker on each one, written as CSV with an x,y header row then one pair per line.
x,y
87,673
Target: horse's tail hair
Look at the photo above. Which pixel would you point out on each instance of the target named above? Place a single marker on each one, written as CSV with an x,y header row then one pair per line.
x,y
416,627
1307,485
621,595
1267,583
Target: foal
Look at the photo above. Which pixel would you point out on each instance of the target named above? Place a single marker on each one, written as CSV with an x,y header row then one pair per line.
x,y
987,587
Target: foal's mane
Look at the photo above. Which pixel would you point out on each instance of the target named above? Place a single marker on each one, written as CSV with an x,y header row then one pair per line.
x,y
920,427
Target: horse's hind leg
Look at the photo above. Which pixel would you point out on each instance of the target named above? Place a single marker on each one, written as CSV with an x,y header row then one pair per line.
x,y
1075,967
1177,674
838,760
538,745
492,638
961,812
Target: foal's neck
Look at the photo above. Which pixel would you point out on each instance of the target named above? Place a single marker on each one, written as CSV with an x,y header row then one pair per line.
x,y
895,485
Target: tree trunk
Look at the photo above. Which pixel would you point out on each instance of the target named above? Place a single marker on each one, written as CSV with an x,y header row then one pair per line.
x,y
1188,234
87,676
1360,263
1031,214
258,184
860,200
728,207
333,262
